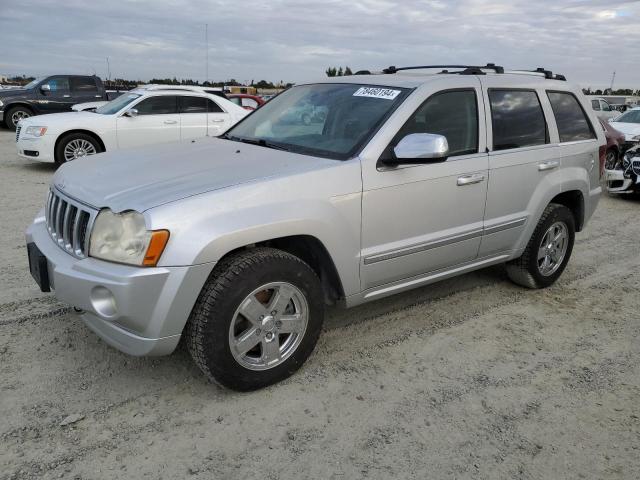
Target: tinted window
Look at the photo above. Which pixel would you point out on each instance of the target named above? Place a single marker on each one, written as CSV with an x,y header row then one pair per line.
x,y
451,114
249,102
157,105
595,104
83,85
517,119
571,119
58,83
198,105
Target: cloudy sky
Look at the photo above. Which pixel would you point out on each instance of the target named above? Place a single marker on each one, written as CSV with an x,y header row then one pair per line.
x,y
296,40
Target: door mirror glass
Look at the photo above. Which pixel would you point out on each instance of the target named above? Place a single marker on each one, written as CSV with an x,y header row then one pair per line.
x,y
421,148
132,112
45,88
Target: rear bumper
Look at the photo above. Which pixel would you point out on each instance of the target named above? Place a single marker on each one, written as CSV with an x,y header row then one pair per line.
x,y
140,311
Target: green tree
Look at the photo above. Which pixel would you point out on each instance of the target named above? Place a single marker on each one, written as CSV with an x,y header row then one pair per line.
x,y
347,71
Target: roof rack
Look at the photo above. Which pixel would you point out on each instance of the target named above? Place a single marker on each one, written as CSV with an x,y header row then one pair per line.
x,y
477,70
468,69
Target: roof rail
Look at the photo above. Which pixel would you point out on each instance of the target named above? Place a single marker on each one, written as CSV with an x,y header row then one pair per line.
x,y
468,69
478,70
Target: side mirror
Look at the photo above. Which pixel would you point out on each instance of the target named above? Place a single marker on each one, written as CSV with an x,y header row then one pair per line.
x,y
132,112
46,88
418,148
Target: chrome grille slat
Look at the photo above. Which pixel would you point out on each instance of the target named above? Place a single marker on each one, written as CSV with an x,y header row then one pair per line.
x,y
68,222
635,166
18,128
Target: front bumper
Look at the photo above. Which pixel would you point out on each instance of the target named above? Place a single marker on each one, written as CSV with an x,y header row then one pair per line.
x,y
40,149
617,182
1,115
140,311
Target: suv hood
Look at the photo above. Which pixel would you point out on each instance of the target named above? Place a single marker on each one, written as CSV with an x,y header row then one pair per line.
x,y
139,179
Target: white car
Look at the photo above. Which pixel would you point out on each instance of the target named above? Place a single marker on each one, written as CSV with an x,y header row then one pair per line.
x,y
603,109
140,117
629,124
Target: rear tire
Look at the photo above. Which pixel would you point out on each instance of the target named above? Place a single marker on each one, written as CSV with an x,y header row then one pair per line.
x,y
14,114
544,259
233,333
81,143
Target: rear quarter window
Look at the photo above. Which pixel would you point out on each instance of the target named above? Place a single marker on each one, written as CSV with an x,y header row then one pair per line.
x,y
572,121
517,119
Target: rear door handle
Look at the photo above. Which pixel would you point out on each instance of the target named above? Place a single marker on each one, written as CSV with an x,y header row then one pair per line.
x,y
218,120
470,179
550,165
170,122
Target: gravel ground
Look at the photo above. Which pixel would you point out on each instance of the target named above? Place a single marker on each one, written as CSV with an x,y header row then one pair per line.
x,y
470,378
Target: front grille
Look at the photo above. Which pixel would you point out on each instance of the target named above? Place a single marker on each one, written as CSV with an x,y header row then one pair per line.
x,y
636,167
68,222
18,128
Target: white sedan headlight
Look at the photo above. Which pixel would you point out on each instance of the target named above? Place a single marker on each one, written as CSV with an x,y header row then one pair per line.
x,y
1,104
124,238
35,131
636,138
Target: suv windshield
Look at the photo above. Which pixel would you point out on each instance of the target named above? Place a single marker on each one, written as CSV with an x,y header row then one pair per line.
x,y
632,116
330,120
114,106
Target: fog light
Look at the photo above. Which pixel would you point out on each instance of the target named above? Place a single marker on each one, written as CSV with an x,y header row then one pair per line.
x,y
103,302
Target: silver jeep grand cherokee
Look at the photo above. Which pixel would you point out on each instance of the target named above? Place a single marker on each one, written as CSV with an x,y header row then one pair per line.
x,y
391,182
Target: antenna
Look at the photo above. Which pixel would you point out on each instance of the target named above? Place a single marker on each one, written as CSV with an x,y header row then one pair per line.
x,y
613,77
206,41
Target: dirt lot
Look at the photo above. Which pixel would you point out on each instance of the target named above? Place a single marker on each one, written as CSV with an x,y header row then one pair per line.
x,y
470,378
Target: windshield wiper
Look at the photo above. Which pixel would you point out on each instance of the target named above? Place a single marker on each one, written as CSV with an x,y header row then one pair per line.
x,y
256,141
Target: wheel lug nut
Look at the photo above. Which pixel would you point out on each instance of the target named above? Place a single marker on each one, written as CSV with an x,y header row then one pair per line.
x,y
274,312
278,324
258,331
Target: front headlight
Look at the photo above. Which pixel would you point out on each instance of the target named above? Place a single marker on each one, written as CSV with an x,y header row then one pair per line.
x,y
124,238
35,131
1,104
636,138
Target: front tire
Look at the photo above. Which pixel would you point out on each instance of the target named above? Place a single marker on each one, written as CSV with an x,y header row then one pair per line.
x,y
257,319
74,146
14,115
548,250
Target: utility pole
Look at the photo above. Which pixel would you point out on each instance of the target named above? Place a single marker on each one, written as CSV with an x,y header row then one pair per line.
x,y
206,41
108,70
613,77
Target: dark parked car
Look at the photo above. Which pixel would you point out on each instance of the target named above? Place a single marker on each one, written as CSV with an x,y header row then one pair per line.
x,y
53,94
615,142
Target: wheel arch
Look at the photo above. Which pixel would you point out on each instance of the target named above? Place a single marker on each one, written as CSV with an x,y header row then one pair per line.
x,y
22,104
313,252
65,134
574,201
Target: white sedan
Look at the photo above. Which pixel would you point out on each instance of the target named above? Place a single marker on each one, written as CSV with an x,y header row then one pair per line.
x,y
139,117
629,124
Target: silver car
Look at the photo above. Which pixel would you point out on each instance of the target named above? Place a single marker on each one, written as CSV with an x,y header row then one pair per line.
x,y
237,243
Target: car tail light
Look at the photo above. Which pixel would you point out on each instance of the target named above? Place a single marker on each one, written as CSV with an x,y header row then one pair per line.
x,y
603,156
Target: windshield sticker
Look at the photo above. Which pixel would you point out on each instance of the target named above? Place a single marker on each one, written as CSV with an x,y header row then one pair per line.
x,y
373,92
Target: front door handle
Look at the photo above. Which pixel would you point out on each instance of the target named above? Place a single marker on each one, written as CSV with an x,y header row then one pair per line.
x,y
66,96
550,165
170,122
470,179
218,120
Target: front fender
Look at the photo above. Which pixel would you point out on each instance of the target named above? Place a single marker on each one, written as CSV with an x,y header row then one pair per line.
x,y
205,228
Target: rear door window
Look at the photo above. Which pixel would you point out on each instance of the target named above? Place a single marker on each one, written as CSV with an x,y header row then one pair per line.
x,y
595,104
198,105
517,119
573,124
83,85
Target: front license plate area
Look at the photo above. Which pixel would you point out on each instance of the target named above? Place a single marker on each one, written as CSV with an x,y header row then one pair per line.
x,y
38,267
